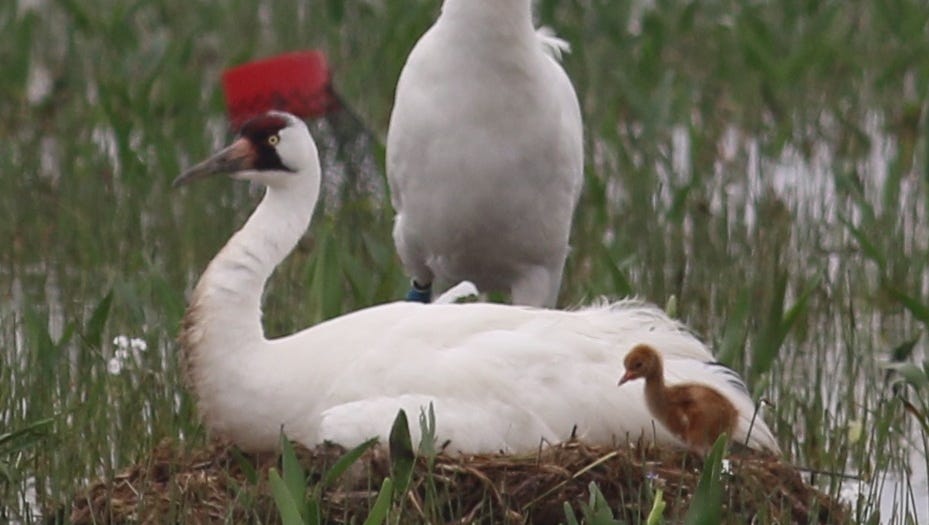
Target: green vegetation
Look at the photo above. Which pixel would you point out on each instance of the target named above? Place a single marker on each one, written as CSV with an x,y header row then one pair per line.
x,y
765,163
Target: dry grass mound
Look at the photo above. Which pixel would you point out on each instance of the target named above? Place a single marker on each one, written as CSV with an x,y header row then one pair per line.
x,y
219,484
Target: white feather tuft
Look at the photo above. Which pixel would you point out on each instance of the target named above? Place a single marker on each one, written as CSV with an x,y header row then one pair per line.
x,y
462,290
551,43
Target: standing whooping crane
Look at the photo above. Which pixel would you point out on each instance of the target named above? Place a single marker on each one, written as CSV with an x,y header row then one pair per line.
x,y
485,154
501,377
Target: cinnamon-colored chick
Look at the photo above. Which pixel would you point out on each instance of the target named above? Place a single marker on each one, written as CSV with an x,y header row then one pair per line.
x,y
696,414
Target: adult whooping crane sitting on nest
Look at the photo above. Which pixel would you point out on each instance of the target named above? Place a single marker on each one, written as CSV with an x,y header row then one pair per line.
x,y
485,154
501,377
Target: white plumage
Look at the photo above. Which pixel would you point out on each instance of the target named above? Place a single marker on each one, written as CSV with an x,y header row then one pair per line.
x,y
485,153
501,378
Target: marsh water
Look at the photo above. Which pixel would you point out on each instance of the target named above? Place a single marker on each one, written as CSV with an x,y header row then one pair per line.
x,y
779,207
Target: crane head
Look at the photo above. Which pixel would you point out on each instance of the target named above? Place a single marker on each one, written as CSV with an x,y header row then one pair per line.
x,y
270,146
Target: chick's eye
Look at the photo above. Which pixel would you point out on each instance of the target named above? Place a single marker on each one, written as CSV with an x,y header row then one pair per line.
x,y
273,140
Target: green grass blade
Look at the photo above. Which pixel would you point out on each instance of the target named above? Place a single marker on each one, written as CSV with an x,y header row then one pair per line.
x,y
25,437
904,350
656,515
402,457
597,511
314,512
870,250
347,459
911,373
294,475
427,431
284,500
916,308
733,341
93,332
570,516
777,327
381,505
706,506
251,475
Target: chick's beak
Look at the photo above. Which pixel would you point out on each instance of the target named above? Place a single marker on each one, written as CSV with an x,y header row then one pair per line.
x,y
626,377
238,156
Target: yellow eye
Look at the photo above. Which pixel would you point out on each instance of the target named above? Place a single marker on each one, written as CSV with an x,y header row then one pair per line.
x,y
273,140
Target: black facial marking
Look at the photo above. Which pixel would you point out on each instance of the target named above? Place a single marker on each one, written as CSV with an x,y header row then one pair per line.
x,y
263,132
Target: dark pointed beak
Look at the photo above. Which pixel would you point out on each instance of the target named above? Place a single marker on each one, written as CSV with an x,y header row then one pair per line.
x,y
238,156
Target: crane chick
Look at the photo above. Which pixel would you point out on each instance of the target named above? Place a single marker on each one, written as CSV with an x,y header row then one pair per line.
x,y
695,413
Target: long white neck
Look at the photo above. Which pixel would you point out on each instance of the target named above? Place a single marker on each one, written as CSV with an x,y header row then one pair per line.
x,y
223,322
494,19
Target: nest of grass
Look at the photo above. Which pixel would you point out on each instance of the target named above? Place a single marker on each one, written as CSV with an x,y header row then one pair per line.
x,y
218,484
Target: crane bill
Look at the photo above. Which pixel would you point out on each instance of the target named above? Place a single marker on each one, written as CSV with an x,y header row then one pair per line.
x,y
238,156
